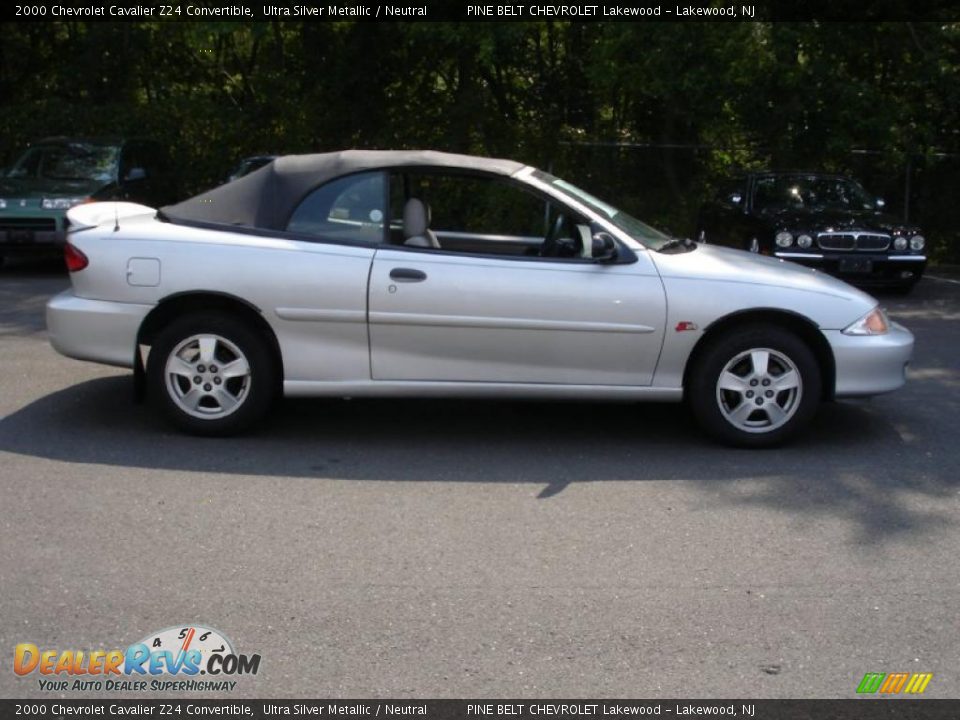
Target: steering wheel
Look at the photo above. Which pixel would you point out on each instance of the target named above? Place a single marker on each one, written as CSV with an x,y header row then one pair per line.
x,y
550,247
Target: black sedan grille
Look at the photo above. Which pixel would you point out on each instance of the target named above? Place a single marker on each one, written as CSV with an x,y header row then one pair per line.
x,y
28,224
853,241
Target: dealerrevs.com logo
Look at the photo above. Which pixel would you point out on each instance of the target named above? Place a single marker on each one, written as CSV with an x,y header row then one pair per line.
x,y
182,658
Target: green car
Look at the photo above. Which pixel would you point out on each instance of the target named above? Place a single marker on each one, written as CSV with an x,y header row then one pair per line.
x,y
55,174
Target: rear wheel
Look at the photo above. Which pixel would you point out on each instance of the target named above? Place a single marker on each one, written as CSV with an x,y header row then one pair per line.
x,y
211,375
755,387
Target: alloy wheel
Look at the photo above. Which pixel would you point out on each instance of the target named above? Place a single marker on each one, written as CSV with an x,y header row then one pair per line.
x,y
207,376
759,390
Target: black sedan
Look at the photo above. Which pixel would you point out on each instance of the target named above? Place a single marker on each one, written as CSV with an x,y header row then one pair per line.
x,y
819,220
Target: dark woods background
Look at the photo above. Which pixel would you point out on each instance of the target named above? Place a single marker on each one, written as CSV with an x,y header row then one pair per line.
x,y
648,115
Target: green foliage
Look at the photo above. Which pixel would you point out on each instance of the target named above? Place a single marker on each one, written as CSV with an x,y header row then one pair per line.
x,y
651,115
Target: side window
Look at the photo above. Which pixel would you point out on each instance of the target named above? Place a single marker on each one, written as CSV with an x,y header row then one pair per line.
x,y
349,209
482,215
484,207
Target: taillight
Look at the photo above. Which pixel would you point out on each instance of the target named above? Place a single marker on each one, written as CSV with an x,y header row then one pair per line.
x,y
75,258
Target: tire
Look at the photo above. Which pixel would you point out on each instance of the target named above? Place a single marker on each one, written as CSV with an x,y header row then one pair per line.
x,y
211,374
733,392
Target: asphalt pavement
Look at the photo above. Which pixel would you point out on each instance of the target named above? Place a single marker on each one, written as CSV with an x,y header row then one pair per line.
x,y
409,548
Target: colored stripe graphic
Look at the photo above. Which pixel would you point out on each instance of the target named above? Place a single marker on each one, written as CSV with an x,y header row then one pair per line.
x,y
870,683
894,683
918,683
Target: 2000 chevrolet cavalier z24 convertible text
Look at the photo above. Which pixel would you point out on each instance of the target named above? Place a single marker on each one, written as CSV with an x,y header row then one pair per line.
x,y
363,273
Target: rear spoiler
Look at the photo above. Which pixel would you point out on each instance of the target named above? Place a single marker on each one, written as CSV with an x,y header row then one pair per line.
x,y
91,215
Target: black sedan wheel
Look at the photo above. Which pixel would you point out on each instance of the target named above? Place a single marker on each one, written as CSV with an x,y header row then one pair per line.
x,y
755,387
211,375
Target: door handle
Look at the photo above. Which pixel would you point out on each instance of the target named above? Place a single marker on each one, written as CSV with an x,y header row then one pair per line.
x,y
407,275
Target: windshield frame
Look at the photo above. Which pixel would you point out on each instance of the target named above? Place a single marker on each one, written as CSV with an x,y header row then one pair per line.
x,y
643,233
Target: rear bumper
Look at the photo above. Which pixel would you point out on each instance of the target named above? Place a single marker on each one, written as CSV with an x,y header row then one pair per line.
x,y
870,364
876,268
95,330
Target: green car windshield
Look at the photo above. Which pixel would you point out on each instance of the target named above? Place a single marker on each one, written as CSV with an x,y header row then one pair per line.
x,y
67,161
638,230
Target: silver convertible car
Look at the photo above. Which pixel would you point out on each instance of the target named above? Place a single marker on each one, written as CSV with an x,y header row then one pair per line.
x,y
362,273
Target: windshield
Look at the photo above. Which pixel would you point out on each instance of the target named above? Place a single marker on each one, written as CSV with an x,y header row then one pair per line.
x,y
68,161
638,230
809,192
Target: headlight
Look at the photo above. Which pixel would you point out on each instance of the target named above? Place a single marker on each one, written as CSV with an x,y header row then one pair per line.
x,y
900,243
3,204
61,203
804,241
873,323
917,242
784,239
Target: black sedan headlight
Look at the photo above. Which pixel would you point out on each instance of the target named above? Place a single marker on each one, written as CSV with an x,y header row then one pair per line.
x,y
783,239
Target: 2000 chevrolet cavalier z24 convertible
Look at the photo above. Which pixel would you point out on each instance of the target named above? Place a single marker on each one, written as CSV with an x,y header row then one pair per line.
x,y
364,273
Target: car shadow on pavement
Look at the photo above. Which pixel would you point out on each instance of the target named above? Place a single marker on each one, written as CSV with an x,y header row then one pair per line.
x,y
854,461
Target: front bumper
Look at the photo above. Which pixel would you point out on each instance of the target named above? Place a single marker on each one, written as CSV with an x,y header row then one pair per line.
x,y
873,268
95,330
870,364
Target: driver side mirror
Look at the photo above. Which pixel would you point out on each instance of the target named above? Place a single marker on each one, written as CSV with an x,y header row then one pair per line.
x,y
604,248
137,173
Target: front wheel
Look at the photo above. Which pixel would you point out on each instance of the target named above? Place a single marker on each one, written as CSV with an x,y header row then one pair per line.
x,y
211,374
755,387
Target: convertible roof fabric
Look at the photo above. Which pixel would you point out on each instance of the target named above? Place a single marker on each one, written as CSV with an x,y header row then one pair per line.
x,y
267,197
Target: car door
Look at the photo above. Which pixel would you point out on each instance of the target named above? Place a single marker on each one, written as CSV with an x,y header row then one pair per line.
x,y
499,316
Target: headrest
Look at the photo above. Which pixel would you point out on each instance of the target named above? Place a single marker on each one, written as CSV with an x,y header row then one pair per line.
x,y
416,217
